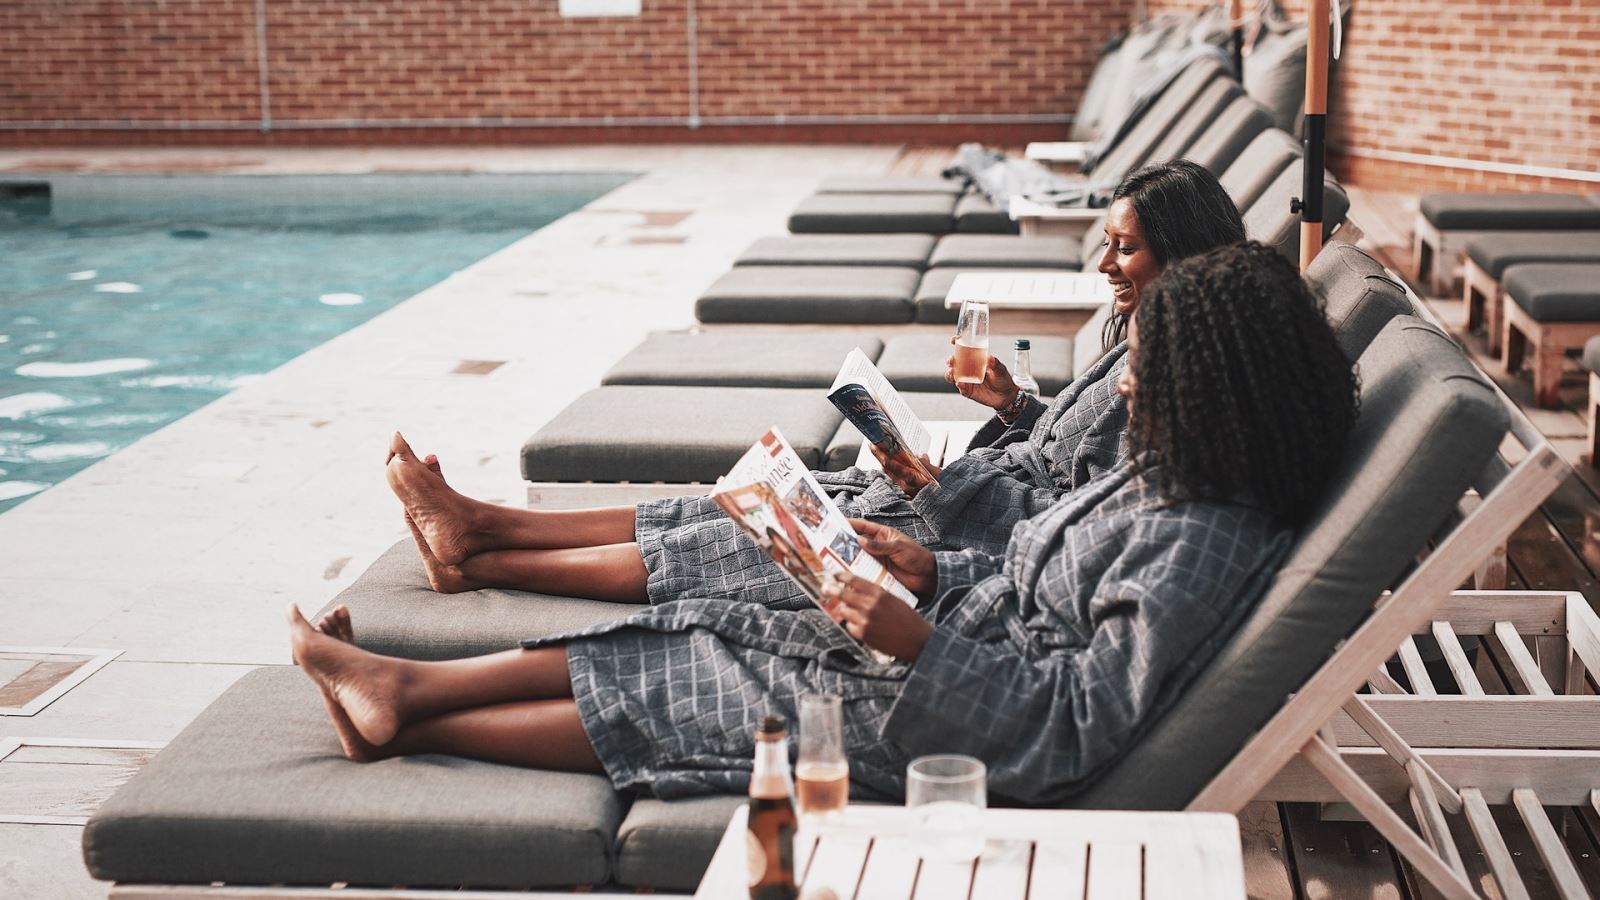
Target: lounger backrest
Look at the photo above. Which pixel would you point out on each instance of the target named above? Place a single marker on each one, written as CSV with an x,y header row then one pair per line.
x,y
1358,294
1261,161
1240,123
1271,221
1133,146
1135,66
1429,424
1202,117
1089,118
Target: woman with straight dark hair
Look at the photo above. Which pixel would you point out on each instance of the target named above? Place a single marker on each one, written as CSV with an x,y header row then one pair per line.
x,y
1046,661
688,547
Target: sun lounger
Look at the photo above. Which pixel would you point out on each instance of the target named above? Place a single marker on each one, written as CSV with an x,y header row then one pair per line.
x,y
253,791
1447,221
1489,255
850,295
1240,122
737,358
891,184
1271,220
908,251
1359,294
1554,308
976,215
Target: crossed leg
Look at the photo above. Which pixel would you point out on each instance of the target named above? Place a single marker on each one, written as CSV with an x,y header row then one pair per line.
x,y
467,544
514,707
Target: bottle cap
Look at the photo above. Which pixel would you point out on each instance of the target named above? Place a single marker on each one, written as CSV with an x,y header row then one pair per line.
x,y
772,725
1023,344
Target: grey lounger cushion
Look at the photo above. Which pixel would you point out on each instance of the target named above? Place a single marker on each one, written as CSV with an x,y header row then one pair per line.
x,y
1429,423
727,357
891,184
908,250
810,294
256,791
1359,295
1269,220
1510,212
874,214
1263,159
1275,75
1005,251
673,434
976,215
394,612
915,362
1556,292
945,405
1241,122
1494,253
1591,354
668,845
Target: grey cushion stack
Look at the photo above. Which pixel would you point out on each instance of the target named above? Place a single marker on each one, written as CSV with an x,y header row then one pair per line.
x,y
1275,75
1133,148
673,434
901,250
1429,424
1003,251
1240,123
740,358
808,294
1359,296
1202,116
257,791
874,214
1510,212
1555,292
1494,253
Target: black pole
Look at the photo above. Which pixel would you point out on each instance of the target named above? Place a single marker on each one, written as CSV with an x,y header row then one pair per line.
x,y
1238,52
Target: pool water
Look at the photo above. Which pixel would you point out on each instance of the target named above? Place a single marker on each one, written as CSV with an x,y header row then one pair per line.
x,y
127,302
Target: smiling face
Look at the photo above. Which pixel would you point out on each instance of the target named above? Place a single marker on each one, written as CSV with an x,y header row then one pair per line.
x,y
1126,259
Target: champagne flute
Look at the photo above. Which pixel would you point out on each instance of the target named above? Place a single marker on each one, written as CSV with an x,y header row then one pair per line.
x,y
972,342
822,775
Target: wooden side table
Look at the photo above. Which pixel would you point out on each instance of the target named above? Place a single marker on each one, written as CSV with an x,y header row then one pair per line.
x,y
1059,302
867,853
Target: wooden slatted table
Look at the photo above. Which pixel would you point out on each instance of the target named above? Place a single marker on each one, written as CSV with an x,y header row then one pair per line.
x,y
866,853
1020,302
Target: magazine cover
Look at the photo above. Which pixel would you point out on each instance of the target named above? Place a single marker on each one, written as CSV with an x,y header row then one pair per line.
x,y
875,408
771,496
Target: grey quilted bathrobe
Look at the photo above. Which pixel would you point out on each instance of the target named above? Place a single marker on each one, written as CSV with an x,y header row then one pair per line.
x,y
692,549
1045,662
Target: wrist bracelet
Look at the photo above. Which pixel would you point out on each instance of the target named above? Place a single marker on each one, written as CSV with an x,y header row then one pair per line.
x,y
1014,408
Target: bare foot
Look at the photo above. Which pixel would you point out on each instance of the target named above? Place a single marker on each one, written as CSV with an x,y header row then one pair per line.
x,y
442,578
436,511
336,624
364,687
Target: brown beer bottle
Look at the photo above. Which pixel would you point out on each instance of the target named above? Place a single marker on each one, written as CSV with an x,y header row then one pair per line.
x,y
772,818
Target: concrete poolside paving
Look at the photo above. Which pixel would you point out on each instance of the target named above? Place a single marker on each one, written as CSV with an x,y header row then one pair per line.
x,y
182,550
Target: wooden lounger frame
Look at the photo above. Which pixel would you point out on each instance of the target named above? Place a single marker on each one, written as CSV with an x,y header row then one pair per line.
x,y
1435,253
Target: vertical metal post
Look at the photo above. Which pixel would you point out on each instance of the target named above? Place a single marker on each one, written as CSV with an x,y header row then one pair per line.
x,y
694,68
1315,131
263,71
1236,12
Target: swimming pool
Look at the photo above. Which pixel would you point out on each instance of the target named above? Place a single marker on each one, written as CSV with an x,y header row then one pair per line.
x,y
127,302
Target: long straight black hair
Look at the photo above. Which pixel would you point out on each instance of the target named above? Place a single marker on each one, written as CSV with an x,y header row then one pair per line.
x,y
1183,212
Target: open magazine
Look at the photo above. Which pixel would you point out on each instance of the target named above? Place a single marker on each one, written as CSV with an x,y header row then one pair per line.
x,y
773,498
876,409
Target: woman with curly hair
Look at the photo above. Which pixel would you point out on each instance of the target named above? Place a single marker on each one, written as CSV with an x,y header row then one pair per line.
x,y
687,546
1045,661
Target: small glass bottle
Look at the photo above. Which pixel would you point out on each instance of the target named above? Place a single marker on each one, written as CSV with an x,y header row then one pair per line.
x,y
1022,369
772,821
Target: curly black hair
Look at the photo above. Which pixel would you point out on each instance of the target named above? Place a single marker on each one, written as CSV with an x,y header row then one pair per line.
x,y
1183,211
1242,393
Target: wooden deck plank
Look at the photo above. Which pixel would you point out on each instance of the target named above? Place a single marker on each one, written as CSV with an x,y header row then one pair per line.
x,y
1335,860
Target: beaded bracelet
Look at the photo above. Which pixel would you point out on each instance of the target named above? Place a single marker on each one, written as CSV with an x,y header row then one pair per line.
x,y
1014,408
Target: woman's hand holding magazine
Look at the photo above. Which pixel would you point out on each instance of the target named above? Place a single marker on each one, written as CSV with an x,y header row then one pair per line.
x,y
908,561
878,618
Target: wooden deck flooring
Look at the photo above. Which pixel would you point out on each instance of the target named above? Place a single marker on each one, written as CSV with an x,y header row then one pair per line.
x,y
1294,851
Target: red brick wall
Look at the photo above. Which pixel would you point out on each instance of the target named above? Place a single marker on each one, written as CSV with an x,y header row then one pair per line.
x,y
408,61
1513,82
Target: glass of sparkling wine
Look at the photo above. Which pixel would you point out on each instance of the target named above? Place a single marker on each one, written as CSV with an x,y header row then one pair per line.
x,y
821,774
946,796
972,342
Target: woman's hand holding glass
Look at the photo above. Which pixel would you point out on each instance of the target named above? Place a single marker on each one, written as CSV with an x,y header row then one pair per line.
x,y
907,478
997,389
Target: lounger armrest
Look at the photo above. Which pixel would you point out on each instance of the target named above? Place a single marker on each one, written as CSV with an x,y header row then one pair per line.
x,y
1058,153
1041,219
